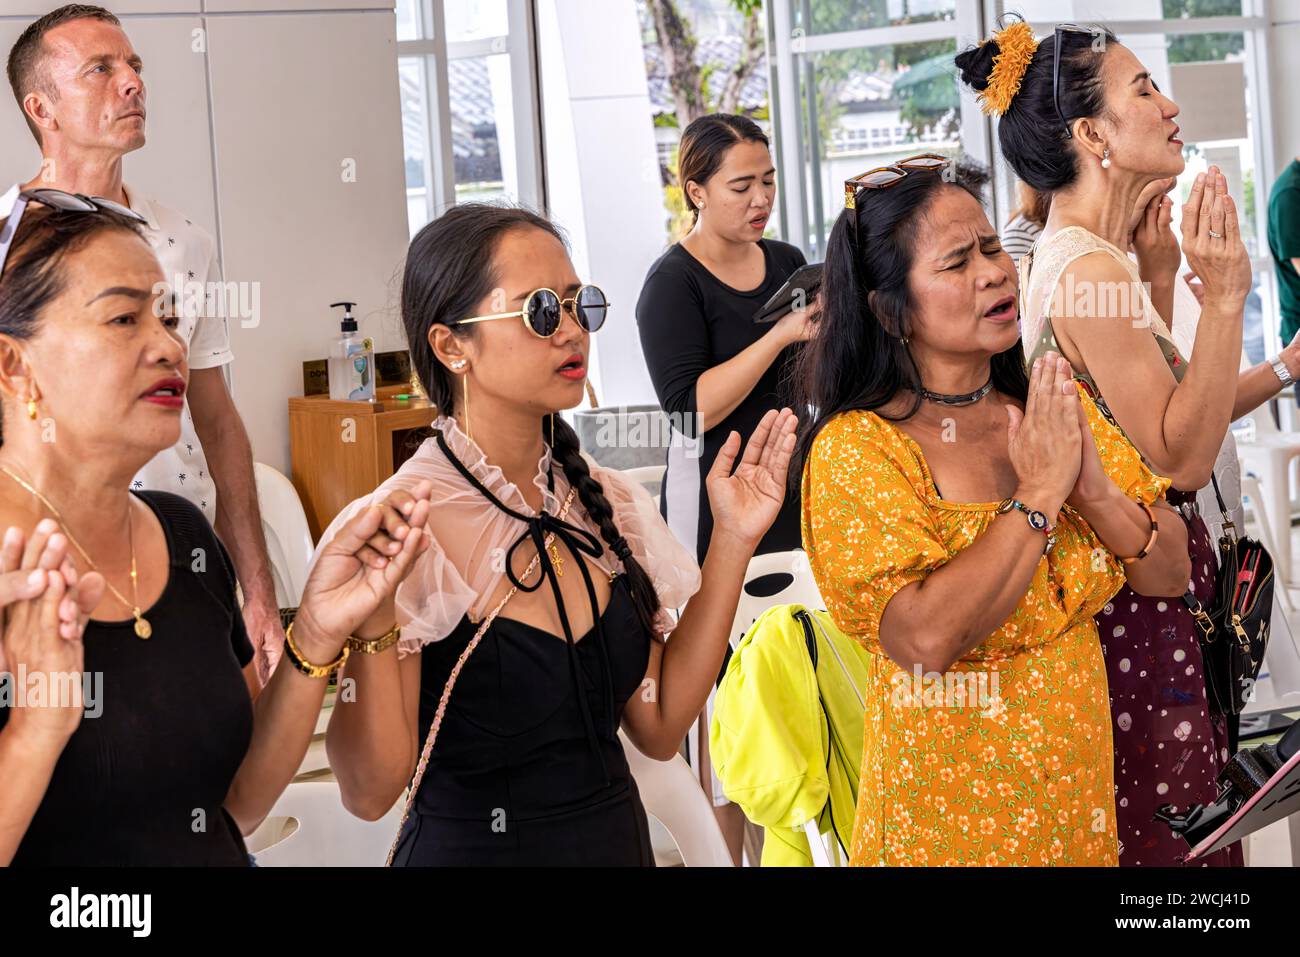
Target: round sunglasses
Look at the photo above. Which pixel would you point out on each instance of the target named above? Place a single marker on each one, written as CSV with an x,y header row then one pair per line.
x,y
543,311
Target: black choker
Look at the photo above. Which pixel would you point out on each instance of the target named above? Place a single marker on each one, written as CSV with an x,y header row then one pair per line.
x,y
965,399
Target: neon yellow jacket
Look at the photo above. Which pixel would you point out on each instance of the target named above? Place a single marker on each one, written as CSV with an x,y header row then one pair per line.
x,y
786,735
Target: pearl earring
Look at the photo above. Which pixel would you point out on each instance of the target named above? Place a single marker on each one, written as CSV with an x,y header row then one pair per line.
x,y
1105,159
458,364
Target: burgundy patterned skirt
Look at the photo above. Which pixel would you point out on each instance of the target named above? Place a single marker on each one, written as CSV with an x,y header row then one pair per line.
x,y
1168,747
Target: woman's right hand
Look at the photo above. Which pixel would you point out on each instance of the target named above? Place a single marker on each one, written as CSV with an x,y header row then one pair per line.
x,y
1221,261
1044,441
46,608
799,325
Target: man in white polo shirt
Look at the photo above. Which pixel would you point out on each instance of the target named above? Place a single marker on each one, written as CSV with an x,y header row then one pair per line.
x,y
78,82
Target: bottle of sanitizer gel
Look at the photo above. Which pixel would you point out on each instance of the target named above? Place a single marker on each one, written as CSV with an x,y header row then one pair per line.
x,y
351,361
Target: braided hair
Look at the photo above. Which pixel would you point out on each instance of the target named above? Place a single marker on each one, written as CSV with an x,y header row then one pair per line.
x,y
449,268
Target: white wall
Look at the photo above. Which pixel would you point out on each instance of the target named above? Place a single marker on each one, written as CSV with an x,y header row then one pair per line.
x,y
1284,41
248,137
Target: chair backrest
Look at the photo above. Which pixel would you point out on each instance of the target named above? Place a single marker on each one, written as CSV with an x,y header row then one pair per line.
x,y
791,575
651,476
288,537
309,827
671,794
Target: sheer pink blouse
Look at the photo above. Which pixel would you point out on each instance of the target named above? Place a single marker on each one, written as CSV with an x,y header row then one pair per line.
x,y
461,570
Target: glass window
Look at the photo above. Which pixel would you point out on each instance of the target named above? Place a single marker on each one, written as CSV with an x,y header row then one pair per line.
x,y
1110,11
409,20
475,20
873,106
836,16
482,128
415,141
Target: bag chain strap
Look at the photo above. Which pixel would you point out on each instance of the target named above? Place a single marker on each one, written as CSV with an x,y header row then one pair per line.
x,y
423,763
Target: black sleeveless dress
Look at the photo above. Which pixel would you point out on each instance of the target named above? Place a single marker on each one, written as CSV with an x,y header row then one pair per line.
x,y
143,779
528,768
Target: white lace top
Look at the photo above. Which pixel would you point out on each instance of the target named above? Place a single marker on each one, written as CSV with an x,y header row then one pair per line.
x,y
460,571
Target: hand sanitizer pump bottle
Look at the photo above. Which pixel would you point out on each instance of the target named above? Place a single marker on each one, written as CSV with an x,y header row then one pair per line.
x,y
351,361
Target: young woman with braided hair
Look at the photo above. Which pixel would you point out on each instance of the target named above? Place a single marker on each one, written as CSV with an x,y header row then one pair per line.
x,y
506,727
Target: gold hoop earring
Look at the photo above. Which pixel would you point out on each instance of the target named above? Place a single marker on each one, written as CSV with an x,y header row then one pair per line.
x,y
591,395
32,412
552,433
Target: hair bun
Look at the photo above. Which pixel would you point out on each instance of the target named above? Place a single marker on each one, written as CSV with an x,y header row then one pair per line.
x,y
976,64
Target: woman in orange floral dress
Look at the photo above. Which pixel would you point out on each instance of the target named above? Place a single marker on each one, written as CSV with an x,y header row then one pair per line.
x,y
963,520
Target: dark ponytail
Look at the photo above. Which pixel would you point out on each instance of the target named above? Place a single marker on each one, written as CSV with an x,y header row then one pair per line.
x,y
857,359
449,269
1033,137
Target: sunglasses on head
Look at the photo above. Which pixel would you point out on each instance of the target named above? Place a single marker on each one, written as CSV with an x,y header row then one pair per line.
x,y
883,177
1057,38
57,199
543,311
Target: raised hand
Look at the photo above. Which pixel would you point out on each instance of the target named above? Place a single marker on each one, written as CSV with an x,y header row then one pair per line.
x,y
745,502
1153,237
360,568
1212,242
1043,441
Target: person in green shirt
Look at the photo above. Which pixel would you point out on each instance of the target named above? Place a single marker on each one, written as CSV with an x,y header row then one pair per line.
x,y
1284,244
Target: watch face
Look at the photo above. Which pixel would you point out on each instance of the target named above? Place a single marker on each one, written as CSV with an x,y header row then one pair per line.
x,y
1038,520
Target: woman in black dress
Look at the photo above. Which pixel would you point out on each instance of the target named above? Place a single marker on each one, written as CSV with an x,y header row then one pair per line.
x,y
714,369
167,760
510,723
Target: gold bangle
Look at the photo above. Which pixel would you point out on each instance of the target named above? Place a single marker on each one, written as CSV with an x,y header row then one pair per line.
x,y
374,646
295,656
1151,542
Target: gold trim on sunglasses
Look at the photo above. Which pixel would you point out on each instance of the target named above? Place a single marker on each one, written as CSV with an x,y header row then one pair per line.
x,y
569,305
929,162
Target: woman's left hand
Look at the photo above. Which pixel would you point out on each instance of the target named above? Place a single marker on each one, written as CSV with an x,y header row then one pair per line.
x,y
360,568
746,502
1153,235
1093,484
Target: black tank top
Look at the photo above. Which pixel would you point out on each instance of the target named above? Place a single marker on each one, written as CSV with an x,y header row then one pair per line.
x,y
143,783
528,767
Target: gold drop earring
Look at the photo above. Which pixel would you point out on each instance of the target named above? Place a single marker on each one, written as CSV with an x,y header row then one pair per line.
x,y
458,365
32,411
591,395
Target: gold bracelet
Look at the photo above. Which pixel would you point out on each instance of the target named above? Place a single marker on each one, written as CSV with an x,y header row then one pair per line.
x,y
295,656
374,646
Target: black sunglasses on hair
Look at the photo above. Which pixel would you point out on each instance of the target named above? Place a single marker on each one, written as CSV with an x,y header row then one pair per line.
x,y
57,199
1057,38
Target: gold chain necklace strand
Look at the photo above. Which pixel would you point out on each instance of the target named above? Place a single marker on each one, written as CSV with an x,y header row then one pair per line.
x,y
143,629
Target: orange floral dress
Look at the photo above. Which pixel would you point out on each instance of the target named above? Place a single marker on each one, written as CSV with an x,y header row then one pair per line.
x,y
1007,758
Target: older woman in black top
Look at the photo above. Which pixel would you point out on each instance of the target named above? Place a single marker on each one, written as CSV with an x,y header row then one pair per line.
x,y
714,369
169,761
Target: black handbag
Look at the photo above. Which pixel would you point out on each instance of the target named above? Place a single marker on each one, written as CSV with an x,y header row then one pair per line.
x,y
1234,631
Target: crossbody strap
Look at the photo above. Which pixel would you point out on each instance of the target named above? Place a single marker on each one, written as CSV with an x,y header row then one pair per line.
x,y
432,736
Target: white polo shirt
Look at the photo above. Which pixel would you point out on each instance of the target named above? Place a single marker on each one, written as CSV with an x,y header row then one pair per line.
x,y
190,252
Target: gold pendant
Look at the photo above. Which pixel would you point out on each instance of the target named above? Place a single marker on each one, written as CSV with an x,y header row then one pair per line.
x,y
143,629
557,561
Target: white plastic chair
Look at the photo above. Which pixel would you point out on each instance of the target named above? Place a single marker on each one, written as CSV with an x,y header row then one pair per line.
x,y
649,475
288,537
309,827
672,796
801,589
1268,454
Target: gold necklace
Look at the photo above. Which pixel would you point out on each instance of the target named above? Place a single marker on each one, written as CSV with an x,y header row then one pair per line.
x,y
143,629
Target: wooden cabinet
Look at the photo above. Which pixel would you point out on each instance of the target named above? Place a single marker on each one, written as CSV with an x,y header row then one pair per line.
x,y
341,450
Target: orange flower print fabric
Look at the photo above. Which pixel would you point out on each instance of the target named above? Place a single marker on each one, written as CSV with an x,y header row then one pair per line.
x,y
1008,759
